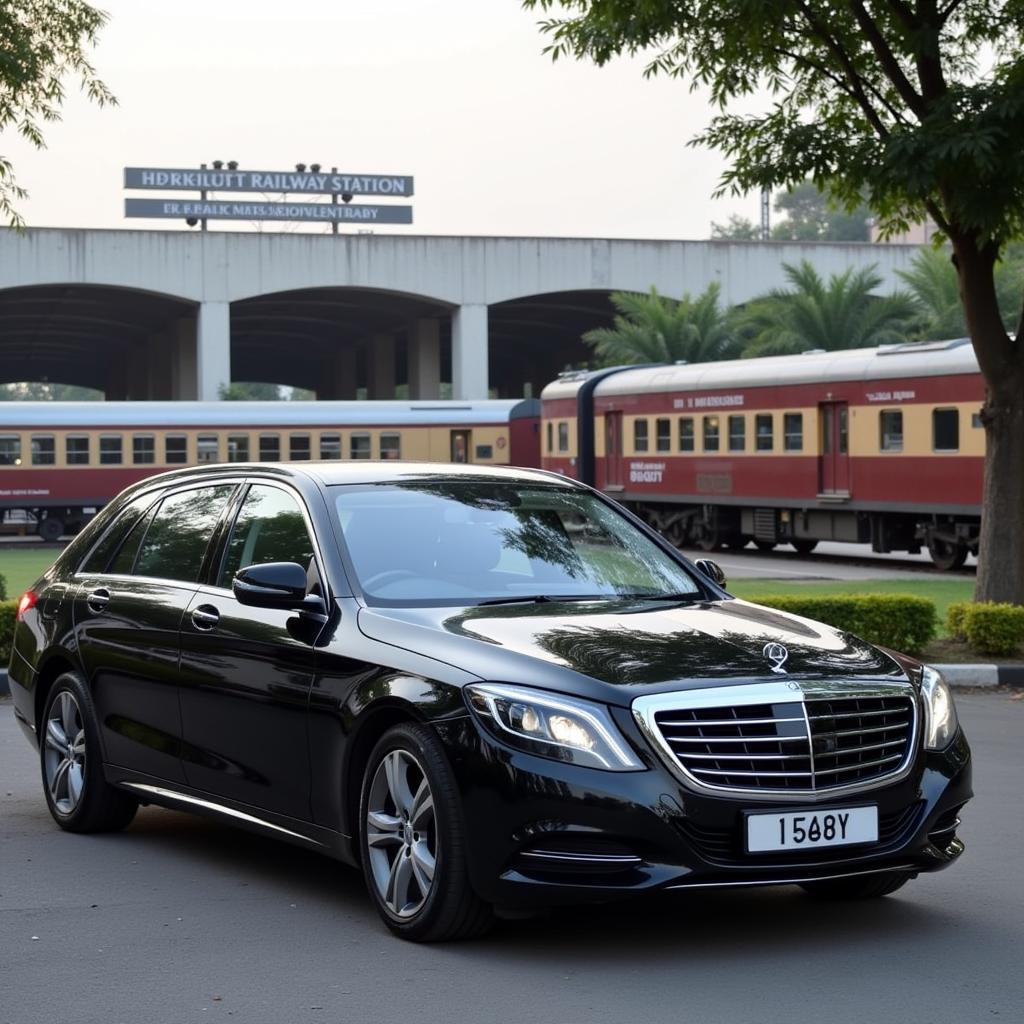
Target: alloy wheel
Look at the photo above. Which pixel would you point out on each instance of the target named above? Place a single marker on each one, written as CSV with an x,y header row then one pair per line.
x,y
401,833
64,753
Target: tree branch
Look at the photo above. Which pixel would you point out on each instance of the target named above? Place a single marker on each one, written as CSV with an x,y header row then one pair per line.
x,y
890,65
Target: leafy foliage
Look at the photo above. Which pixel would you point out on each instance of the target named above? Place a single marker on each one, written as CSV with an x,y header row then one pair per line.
x,y
994,628
810,314
41,43
247,391
900,621
811,218
653,329
737,229
44,392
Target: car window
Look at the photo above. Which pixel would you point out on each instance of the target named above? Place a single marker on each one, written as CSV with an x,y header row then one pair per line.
x,y
270,527
100,556
177,538
124,561
451,541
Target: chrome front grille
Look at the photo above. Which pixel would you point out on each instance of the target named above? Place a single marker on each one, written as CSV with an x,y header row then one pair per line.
x,y
786,742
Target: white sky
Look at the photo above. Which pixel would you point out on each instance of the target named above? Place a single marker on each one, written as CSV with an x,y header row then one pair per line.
x,y
455,92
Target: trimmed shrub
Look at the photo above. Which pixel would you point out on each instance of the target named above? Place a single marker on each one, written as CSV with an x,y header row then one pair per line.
x,y
3,588
956,616
996,629
900,621
7,612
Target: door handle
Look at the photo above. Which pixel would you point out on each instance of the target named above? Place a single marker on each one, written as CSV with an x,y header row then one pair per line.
x,y
205,617
98,600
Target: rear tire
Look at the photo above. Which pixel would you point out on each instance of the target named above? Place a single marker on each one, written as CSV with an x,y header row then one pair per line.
x,y
868,887
947,556
411,840
79,798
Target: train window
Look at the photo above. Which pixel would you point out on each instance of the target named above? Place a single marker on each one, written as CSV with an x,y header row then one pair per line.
x,y
737,433
711,434
663,435
143,449
208,448
686,433
844,430
976,420
764,431
485,451
946,430
76,450
238,447
299,448
640,435
44,450
175,449
550,438
890,430
563,436
110,450
359,446
10,450
793,431
330,446
390,446
270,448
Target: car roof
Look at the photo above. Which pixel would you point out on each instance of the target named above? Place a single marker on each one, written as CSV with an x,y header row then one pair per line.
x,y
363,471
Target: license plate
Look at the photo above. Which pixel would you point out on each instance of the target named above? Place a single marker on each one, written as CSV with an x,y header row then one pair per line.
x,y
802,830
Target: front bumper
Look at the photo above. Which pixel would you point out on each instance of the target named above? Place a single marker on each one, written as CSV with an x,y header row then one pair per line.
x,y
541,832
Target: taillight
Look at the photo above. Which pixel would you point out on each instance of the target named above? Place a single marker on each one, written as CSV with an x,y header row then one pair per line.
x,y
26,603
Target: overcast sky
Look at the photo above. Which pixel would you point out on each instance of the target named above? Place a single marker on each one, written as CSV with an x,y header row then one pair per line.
x,y
455,92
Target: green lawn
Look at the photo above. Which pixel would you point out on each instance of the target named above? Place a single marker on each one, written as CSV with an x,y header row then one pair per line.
x,y
942,591
22,565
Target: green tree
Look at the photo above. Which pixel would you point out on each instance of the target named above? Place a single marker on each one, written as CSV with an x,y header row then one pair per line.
x,y
737,229
249,391
812,314
42,392
810,217
915,107
41,43
649,328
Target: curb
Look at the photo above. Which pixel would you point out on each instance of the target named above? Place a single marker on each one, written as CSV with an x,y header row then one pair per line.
x,y
960,676
5,686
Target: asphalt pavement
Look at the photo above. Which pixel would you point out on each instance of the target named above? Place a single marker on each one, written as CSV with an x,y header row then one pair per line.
x,y
181,919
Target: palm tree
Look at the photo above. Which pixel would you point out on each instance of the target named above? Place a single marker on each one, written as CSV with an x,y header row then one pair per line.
x,y
650,328
812,314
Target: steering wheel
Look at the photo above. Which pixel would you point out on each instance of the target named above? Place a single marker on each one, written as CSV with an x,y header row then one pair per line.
x,y
388,575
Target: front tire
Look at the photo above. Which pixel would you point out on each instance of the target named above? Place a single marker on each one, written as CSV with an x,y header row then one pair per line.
x,y
412,842
867,887
79,798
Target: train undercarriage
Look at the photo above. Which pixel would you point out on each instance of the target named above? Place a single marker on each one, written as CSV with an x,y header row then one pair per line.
x,y
949,539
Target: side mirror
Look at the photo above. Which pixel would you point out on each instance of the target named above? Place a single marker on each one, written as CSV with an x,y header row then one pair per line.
x,y
275,585
712,570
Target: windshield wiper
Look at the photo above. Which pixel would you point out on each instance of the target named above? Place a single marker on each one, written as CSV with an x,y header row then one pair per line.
x,y
546,598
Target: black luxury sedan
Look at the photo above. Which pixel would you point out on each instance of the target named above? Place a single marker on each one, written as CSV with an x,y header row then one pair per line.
x,y
492,689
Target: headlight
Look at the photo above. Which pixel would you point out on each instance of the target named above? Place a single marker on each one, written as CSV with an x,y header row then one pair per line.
x,y
939,710
552,725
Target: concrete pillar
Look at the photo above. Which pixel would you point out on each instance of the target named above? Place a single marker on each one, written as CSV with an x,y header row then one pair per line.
x,y
425,358
213,349
380,365
182,345
341,380
469,352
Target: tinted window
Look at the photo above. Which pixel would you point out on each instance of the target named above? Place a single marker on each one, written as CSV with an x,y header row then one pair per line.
x,y
390,446
110,450
458,542
711,438
176,449
270,448
686,434
890,429
10,450
763,428
124,560
663,435
179,534
640,435
563,436
946,430
550,437
238,448
359,446
737,433
793,431
330,446
143,449
100,555
299,448
270,528
76,450
44,451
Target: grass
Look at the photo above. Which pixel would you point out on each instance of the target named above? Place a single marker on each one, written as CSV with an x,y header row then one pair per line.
x,y
22,565
943,592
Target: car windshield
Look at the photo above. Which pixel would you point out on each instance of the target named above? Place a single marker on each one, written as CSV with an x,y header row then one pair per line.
x,y
453,542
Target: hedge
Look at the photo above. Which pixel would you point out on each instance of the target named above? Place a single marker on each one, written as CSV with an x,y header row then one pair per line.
x,y
7,611
900,621
988,628
3,587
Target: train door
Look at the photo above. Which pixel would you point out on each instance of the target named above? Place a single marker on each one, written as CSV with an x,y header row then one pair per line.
x,y
460,446
834,461
613,449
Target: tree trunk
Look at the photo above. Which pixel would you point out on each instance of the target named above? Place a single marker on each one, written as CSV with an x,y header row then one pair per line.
x,y
1001,548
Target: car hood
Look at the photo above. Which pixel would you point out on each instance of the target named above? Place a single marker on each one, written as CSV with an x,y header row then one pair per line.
x,y
616,650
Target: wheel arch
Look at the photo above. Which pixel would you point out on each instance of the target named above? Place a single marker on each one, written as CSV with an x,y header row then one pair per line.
x,y
49,671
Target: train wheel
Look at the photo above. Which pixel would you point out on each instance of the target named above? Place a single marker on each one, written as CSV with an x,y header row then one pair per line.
x,y
947,556
804,545
706,537
764,545
51,528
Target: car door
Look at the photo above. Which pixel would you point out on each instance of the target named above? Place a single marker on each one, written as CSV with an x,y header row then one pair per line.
x,y
246,673
127,615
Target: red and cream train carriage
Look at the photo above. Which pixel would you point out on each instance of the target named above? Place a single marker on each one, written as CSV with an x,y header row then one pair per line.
x,y
59,461
881,445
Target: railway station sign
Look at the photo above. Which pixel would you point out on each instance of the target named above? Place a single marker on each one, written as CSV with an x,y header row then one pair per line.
x,y
324,213
221,180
